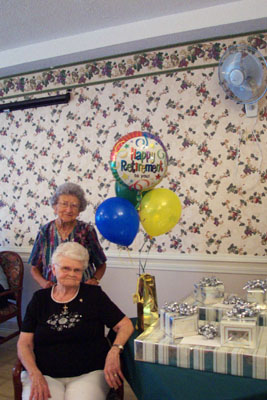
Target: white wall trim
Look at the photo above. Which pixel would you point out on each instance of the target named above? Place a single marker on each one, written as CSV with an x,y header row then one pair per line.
x,y
228,264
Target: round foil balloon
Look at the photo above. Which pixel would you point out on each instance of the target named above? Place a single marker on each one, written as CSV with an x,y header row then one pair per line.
x,y
139,160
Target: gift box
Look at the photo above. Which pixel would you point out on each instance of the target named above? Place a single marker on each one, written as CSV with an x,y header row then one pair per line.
x,y
239,332
176,325
257,296
209,291
257,292
262,318
155,346
210,316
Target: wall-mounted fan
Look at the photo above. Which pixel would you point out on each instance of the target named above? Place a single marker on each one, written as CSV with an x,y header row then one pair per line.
x,y
243,76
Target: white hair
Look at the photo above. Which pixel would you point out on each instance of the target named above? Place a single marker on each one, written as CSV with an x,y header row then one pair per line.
x,y
72,250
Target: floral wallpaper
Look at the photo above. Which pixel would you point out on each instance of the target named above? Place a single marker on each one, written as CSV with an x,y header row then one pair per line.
x,y
217,164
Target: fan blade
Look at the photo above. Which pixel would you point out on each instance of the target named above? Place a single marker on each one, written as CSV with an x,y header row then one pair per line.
x,y
231,62
243,92
253,69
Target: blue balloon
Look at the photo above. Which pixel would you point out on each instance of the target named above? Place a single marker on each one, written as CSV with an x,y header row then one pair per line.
x,y
117,220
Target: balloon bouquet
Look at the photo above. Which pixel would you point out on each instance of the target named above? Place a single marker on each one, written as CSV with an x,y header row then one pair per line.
x,y
138,162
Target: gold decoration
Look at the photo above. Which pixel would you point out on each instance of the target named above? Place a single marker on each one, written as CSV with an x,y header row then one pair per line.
x,y
146,300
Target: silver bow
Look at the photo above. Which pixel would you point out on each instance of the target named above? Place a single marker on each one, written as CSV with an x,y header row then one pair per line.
x,y
243,309
232,299
180,308
209,282
208,330
256,284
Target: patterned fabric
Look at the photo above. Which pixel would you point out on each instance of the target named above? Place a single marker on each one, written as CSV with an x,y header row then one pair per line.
x,y
48,239
3,279
11,267
8,310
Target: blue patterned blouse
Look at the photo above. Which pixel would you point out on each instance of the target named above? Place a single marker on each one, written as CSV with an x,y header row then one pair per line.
x,y
48,239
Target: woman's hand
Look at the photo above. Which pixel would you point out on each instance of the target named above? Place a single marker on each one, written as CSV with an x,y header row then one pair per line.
x,y
92,281
47,284
112,370
37,276
113,374
39,387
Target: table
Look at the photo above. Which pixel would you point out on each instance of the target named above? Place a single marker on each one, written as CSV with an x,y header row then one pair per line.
x,y
161,382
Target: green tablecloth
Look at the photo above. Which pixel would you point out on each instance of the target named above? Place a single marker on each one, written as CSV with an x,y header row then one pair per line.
x,y
161,382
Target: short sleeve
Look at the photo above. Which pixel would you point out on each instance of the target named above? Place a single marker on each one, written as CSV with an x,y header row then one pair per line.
x,y
36,257
109,313
97,256
31,316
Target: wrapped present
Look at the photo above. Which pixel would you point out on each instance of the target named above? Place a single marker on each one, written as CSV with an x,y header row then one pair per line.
x,y
213,313
155,346
209,291
146,300
262,318
239,328
179,319
257,292
239,332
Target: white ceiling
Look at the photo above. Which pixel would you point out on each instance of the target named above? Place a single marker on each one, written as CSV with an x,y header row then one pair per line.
x,y
36,34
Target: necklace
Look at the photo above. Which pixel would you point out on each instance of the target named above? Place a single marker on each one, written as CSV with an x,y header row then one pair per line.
x,y
64,319
65,307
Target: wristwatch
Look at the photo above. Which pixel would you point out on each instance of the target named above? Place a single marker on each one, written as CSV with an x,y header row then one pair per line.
x,y
120,346
97,280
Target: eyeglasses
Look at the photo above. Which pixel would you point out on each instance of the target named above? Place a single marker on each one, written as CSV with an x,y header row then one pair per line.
x,y
72,206
66,270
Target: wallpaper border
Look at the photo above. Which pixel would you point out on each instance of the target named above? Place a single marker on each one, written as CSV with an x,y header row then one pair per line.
x,y
162,60
211,264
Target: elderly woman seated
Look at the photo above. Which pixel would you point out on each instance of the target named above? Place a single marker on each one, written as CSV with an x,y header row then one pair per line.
x,y
62,343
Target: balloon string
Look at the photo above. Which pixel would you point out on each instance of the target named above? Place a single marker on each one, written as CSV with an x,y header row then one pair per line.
x,y
142,266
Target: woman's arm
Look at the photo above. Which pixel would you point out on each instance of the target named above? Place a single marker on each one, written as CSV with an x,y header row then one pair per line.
x,y
39,387
98,275
112,370
37,276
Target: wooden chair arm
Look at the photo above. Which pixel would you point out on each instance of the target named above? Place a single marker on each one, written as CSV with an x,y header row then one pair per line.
x,y
10,291
16,371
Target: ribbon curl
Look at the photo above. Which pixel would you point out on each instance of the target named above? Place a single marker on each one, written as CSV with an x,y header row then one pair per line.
x,y
256,284
243,309
208,330
182,309
232,299
209,282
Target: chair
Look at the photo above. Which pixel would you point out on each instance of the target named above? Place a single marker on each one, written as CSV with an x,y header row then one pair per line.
x,y
18,367
13,268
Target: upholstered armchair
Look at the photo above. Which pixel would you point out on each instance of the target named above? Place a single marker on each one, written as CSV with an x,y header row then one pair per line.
x,y
13,268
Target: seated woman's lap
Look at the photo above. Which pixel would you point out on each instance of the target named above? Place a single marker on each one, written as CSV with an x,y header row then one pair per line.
x,y
91,386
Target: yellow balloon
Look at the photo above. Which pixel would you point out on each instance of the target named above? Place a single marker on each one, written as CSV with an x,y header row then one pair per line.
x,y
160,210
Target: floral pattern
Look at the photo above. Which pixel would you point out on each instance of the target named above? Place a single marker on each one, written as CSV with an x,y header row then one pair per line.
x,y
172,59
217,164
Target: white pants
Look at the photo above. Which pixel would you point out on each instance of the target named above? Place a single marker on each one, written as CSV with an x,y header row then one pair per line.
x,y
91,386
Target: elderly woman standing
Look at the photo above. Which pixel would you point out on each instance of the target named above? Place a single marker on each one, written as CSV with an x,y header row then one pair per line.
x,y
67,202
62,344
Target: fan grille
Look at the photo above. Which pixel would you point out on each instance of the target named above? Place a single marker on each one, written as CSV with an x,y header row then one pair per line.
x,y
243,74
